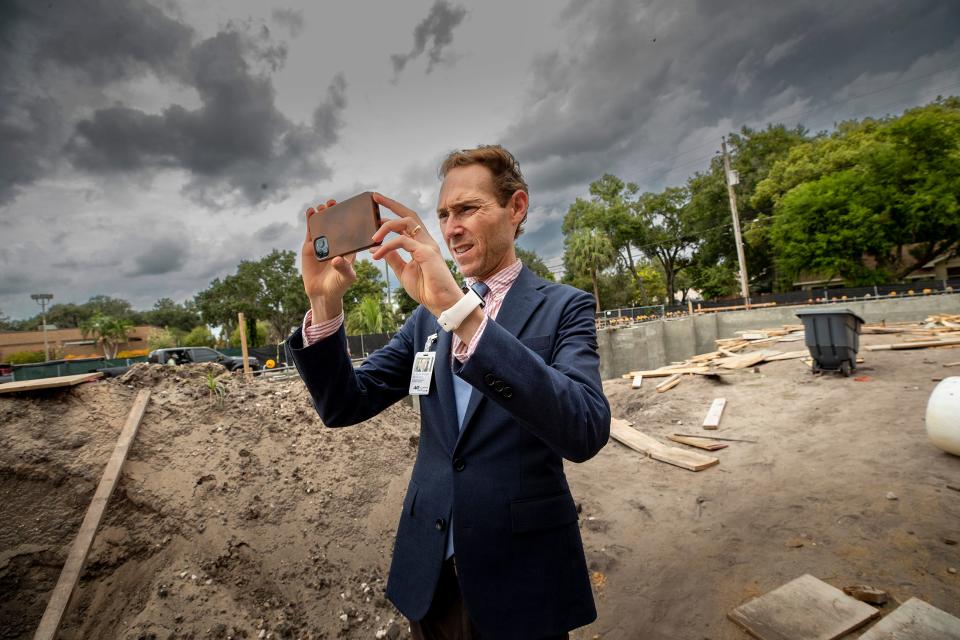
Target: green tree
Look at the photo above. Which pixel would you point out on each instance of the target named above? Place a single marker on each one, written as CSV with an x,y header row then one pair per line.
x,y
110,332
167,313
887,190
370,316
533,262
5,323
269,289
369,284
589,252
752,154
666,235
161,339
199,336
611,211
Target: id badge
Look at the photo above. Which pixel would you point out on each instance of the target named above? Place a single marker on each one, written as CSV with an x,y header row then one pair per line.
x,y
422,373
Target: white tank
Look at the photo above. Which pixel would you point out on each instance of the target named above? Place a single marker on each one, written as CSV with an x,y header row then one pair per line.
x,y
943,415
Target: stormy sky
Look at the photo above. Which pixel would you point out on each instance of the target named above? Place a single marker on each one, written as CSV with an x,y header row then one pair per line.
x,y
149,146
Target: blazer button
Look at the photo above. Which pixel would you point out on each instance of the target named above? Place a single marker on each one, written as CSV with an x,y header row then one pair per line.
x,y
441,524
498,385
459,464
489,379
507,392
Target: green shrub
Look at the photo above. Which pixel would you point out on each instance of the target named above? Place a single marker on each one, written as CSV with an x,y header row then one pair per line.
x,y
26,357
199,337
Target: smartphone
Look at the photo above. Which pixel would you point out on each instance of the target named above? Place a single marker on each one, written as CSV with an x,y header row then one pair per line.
x,y
345,227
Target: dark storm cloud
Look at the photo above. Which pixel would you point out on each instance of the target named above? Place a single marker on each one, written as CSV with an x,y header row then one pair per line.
x,y
236,147
636,83
46,61
161,255
236,143
437,30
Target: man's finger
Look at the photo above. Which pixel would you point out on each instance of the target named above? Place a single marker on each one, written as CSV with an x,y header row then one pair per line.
x,y
344,267
407,226
400,242
397,264
395,206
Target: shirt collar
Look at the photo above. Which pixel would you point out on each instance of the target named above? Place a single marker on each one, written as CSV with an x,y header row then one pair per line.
x,y
500,281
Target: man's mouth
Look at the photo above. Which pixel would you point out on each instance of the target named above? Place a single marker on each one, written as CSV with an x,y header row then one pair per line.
x,y
462,249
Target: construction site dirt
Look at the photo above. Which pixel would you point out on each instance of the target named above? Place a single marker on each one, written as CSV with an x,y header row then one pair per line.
x,y
238,515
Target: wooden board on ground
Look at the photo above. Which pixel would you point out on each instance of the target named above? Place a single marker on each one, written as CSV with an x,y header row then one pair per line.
x,y
669,383
70,574
915,620
665,372
712,421
48,383
745,360
803,609
638,441
913,345
637,382
788,355
700,443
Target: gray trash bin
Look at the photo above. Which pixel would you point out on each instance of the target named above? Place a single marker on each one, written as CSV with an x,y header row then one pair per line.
x,y
833,338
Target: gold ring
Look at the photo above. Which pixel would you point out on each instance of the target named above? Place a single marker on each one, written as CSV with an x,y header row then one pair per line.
x,y
416,230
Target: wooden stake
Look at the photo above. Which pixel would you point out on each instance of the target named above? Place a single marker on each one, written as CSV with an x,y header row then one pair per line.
x,y
243,348
70,574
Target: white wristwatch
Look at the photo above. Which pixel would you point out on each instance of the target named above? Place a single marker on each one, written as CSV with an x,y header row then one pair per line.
x,y
450,319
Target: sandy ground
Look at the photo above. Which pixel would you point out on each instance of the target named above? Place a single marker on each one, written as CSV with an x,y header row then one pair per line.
x,y
247,518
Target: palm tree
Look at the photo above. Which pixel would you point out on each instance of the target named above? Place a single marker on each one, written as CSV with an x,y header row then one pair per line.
x,y
370,316
590,252
107,330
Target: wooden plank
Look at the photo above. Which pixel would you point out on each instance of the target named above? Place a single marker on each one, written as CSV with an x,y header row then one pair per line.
x,y
637,382
700,443
702,437
669,383
803,609
951,364
788,355
712,421
70,574
665,372
746,360
48,383
638,441
915,620
913,345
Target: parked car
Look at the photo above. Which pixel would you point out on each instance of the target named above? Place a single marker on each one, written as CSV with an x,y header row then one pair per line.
x,y
184,355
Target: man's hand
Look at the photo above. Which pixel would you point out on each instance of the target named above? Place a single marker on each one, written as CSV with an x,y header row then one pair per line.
x,y
425,276
325,282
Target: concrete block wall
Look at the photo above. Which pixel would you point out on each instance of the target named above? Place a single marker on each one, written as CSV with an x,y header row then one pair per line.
x,y
655,344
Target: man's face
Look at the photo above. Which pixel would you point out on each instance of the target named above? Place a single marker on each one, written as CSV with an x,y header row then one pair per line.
x,y
477,230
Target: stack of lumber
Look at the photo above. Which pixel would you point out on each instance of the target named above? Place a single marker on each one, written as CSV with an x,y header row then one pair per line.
x,y
935,331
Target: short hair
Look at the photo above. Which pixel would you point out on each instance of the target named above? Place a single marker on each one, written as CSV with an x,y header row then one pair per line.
x,y
504,168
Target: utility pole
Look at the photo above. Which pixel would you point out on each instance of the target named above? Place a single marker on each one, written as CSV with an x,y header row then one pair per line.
x,y
42,299
731,179
386,273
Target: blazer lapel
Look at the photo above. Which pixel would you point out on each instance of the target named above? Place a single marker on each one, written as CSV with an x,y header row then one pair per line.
x,y
443,378
521,301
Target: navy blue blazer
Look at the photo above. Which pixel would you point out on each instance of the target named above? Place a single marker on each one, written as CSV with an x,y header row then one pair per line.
x,y
537,399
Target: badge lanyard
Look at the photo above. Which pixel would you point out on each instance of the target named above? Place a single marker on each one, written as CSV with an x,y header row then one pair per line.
x,y
422,373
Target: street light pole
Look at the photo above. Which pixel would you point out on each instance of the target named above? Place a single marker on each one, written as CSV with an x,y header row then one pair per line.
x,y
42,299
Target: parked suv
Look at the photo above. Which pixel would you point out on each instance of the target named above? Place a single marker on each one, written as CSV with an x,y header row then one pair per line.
x,y
184,355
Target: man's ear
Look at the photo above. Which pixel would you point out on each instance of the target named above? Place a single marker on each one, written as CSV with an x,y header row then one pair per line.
x,y
518,204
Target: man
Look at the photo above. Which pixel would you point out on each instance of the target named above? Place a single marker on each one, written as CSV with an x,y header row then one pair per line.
x,y
488,543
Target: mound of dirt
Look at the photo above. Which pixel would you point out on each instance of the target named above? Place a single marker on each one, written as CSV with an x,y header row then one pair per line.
x,y
238,514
